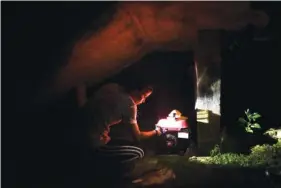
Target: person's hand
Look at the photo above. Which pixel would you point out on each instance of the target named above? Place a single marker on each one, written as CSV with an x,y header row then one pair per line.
x,y
104,137
159,131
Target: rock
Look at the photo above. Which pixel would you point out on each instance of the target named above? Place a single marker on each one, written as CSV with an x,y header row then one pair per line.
x,y
156,177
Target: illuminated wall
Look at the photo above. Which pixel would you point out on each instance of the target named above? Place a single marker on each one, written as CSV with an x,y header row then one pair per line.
x,y
208,81
208,71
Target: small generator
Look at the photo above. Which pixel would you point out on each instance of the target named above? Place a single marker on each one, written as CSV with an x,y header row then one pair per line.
x,y
175,133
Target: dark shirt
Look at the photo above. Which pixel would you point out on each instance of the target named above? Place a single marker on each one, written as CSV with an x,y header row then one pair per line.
x,y
109,106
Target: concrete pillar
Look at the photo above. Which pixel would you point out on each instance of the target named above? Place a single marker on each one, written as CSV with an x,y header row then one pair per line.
x,y
208,76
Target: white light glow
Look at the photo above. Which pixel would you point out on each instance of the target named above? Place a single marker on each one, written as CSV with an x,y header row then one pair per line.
x,y
183,135
211,103
203,120
171,123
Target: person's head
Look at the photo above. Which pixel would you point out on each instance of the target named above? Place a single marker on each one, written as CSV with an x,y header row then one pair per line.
x,y
139,95
138,88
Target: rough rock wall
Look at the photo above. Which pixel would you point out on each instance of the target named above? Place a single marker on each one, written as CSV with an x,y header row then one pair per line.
x,y
139,28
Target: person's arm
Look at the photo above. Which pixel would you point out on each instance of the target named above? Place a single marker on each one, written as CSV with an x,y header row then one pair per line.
x,y
132,120
140,135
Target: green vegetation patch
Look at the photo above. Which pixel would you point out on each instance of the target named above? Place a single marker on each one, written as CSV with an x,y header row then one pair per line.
x,y
261,156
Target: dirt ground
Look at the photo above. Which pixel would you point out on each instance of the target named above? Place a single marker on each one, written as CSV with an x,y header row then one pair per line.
x,y
171,171
175,171
188,174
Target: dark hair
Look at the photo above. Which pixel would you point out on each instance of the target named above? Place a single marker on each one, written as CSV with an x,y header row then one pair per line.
x,y
133,85
129,79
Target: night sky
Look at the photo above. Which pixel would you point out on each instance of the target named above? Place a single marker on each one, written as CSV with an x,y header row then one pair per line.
x,y
36,38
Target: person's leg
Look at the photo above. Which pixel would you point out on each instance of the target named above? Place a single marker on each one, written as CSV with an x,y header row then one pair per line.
x,y
122,142
122,156
129,164
138,166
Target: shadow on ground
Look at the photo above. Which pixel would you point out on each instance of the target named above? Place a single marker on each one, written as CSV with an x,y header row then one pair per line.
x,y
176,171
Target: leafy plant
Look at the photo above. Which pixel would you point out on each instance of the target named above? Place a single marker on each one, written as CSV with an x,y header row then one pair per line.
x,y
274,133
230,159
215,151
250,122
260,156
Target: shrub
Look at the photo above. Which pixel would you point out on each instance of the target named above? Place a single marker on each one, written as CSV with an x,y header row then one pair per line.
x,y
229,159
215,151
260,156
274,133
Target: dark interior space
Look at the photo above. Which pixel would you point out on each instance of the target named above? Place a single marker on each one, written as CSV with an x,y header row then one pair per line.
x,y
250,75
169,75
36,40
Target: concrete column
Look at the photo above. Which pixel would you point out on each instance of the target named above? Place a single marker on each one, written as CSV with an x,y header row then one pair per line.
x,y
208,77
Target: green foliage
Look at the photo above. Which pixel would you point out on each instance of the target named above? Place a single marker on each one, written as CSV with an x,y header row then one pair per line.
x,y
274,133
263,154
250,121
215,151
260,156
229,159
